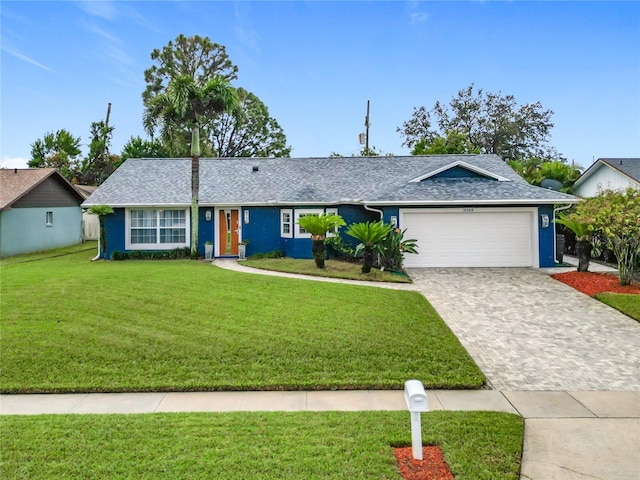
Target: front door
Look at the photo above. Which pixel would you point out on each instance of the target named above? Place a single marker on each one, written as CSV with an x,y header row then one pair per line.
x,y
229,228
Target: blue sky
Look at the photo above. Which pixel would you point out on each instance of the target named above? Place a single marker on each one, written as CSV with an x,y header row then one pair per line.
x,y
315,64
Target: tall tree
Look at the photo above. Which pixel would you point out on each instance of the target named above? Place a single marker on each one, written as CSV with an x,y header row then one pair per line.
x,y
186,103
492,122
453,142
248,131
136,147
99,163
194,57
56,150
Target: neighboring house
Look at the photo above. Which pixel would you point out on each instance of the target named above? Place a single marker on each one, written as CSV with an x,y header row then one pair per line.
x,y
90,222
608,174
39,210
464,210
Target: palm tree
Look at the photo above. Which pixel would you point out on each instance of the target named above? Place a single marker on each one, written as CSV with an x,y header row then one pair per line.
x,y
318,226
370,234
583,239
188,103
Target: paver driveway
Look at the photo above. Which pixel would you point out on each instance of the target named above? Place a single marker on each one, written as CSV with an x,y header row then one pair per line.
x,y
528,331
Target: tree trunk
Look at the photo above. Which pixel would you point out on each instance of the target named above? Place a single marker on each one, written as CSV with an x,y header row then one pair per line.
x,y
103,236
195,186
318,250
583,252
368,258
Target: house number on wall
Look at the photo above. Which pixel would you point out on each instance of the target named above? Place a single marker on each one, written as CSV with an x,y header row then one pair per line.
x,y
467,209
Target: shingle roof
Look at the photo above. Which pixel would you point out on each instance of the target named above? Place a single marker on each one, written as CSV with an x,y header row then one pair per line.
x,y
234,181
16,182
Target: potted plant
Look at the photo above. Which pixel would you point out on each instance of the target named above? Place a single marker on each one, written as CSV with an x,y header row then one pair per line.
x,y
242,249
208,250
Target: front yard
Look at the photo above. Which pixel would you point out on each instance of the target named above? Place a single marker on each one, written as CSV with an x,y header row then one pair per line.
x,y
69,325
327,445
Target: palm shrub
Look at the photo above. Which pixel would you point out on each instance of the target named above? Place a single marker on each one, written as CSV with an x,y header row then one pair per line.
x,y
391,249
370,234
318,226
583,231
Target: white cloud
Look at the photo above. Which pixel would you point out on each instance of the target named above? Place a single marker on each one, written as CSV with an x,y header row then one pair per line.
x,y
13,162
416,16
24,58
99,8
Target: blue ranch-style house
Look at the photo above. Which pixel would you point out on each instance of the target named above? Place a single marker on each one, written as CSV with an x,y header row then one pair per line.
x,y
464,210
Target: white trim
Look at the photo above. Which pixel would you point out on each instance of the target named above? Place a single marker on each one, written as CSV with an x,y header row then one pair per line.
x,y
331,211
303,212
465,165
535,247
283,234
156,246
445,203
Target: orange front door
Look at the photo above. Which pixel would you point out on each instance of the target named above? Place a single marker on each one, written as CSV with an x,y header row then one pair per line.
x,y
228,227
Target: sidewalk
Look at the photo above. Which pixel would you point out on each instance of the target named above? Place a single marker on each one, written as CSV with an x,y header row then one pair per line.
x,y
529,404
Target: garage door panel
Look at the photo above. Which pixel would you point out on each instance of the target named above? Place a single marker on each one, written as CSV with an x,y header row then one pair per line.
x,y
470,239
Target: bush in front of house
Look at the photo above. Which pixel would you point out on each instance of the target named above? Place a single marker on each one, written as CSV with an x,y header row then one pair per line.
x,y
174,254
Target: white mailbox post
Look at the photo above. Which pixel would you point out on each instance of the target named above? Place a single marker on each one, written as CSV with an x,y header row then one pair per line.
x,y
416,399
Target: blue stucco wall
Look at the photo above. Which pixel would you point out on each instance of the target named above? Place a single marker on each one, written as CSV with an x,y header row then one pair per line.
x,y
115,230
263,230
546,237
24,230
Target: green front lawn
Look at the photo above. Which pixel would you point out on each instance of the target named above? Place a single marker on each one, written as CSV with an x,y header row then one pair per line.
x,y
629,304
333,269
328,445
69,325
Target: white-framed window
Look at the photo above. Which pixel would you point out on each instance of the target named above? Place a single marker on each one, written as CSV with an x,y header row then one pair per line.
x,y
331,211
286,223
49,219
156,228
299,231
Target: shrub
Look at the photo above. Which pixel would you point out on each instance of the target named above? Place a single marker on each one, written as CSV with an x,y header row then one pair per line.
x,y
273,254
174,254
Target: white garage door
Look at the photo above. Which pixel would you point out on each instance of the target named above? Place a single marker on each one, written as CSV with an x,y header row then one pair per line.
x,y
471,237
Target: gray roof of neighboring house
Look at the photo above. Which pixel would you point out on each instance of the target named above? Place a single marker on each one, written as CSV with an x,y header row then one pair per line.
x,y
627,166
375,180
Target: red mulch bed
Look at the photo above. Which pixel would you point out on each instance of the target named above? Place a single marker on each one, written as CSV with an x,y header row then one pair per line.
x,y
591,283
431,467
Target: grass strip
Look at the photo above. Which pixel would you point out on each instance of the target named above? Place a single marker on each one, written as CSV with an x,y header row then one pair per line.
x,y
327,445
71,325
333,269
629,304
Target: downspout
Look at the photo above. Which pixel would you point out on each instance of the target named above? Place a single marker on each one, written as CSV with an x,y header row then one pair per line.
x,y
559,209
371,209
97,257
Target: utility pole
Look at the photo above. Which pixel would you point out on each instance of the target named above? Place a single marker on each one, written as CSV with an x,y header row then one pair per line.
x,y
106,123
366,135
